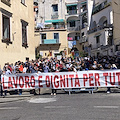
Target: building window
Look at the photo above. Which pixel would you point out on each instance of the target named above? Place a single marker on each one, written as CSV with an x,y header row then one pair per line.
x,y
7,2
82,34
43,36
6,29
84,7
117,48
72,10
23,2
24,33
72,23
97,39
83,47
56,36
55,8
6,33
54,14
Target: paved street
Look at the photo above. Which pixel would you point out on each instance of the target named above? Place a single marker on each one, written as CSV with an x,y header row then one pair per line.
x,y
77,106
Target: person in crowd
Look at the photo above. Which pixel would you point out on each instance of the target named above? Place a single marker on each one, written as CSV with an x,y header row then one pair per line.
x,y
6,71
94,66
113,66
46,68
65,64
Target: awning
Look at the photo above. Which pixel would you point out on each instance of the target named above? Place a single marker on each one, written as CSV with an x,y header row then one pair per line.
x,y
54,21
71,4
73,20
84,2
97,35
48,21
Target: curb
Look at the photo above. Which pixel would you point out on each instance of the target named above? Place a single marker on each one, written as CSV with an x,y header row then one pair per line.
x,y
11,100
16,96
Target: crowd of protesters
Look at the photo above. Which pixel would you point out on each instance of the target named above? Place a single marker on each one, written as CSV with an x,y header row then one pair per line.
x,y
62,65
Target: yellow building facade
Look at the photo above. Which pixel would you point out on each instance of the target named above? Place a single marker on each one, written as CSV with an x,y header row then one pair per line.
x,y
58,24
17,31
53,48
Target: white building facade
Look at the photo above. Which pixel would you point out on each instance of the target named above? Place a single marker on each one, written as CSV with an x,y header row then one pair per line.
x,y
100,30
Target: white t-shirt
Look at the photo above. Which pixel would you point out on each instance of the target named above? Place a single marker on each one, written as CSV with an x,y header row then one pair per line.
x,y
24,70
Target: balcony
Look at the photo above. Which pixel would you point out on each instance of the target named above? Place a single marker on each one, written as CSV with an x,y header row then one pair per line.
x,y
54,15
50,41
54,27
72,12
7,41
58,26
7,2
73,25
96,46
75,28
98,28
83,39
84,13
100,7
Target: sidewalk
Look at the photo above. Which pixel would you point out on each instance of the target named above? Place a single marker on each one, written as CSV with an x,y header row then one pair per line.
x,y
25,95
12,98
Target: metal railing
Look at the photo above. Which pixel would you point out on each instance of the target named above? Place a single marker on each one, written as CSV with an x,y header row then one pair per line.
x,y
49,41
52,27
72,12
76,28
58,26
98,28
100,7
54,15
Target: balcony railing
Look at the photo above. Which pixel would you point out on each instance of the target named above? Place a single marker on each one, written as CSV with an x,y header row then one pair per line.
x,y
52,27
7,2
101,27
72,12
50,41
96,46
100,7
75,28
58,26
54,15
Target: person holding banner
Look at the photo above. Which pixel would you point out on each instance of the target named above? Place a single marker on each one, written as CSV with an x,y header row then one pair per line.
x,y
57,70
6,72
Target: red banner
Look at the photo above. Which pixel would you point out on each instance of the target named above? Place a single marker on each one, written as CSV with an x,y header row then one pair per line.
x,y
60,80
